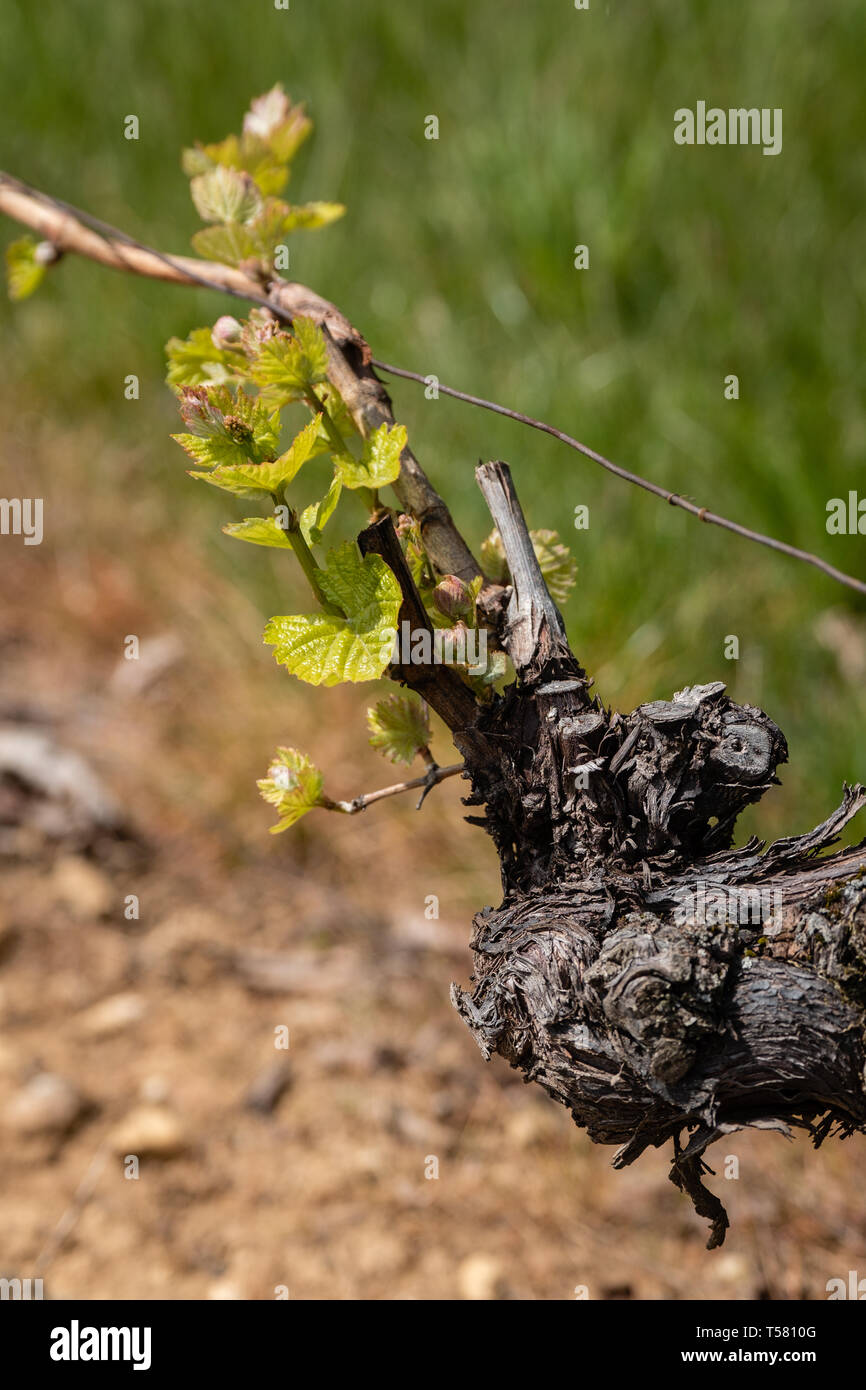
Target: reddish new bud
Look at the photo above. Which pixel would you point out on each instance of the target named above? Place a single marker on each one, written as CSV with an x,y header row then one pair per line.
x,y
226,332
452,597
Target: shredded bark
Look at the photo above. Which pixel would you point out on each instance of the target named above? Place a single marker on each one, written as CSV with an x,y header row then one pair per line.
x,y
660,983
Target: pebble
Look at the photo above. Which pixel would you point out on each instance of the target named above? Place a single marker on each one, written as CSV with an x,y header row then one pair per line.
x,y
480,1277
81,887
225,1290
154,1131
112,1015
268,1087
46,1104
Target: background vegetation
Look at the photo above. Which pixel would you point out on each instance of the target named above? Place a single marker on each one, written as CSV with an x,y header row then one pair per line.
x,y
456,257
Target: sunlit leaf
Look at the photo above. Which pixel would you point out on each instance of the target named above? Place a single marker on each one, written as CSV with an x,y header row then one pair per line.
x,y
379,464
24,274
307,216
292,363
195,360
248,153
226,428
280,124
493,561
399,727
293,785
230,243
315,517
247,479
325,649
558,566
259,530
225,195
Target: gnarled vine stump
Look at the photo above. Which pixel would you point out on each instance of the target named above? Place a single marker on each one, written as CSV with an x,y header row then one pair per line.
x,y
656,981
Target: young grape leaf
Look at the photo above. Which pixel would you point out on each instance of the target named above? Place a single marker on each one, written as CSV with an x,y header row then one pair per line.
x,y
209,411
399,727
230,243
226,429
409,533
282,125
225,195
287,218
493,561
558,566
247,479
293,785
325,649
259,530
380,460
234,242
195,360
249,153
315,517
493,677
336,408
292,363
24,274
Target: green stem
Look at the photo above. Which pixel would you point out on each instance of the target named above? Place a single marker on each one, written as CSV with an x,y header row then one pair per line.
x,y
367,496
319,407
307,561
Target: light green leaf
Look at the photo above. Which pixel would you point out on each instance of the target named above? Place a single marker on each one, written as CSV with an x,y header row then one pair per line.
x,y
259,530
399,727
277,220
265,168
324,649
315,517
293,785
312,341
409,533
380,461
234,242
225,195
24,274
281,125
493,561
215,409
336,408
306,216
494,678
226,429
194,360
217,453
197,159
247,479
230,243
249,153
292,363
558,566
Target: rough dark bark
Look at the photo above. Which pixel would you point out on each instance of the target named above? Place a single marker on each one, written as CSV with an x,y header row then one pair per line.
x,y
661,984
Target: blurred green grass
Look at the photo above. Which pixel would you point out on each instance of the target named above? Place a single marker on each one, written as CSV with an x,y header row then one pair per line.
x,y
456,257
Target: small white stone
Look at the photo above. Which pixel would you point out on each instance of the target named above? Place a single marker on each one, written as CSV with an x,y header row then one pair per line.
x,y
112,1015
45,1104
149,1130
